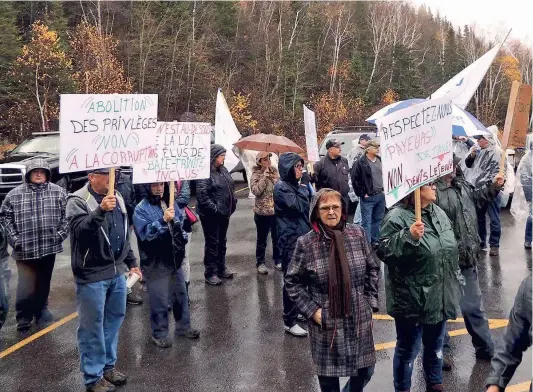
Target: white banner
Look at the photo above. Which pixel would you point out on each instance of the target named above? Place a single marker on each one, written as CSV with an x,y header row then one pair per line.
x,y
226,132
310,135
103,130
416,147
182,153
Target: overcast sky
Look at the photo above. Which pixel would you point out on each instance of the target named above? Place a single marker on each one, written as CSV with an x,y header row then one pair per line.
x,y
489,15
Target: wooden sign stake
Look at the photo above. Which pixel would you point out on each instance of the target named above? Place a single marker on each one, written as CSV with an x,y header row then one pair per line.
x,y
172,192
418,206
509,122
111,190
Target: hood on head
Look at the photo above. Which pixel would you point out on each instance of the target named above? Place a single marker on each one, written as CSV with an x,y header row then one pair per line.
x,y
38,163
286,164
156,200
261,155
216,150
313,206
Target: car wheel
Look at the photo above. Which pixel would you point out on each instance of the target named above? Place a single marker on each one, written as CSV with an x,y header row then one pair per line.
x,y
63,183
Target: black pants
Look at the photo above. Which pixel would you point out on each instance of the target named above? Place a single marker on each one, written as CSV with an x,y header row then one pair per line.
x,y
215,229
264,225
33,288
290,311
355,384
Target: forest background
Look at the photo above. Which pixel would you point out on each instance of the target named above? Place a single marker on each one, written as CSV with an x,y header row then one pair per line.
x,y
345,60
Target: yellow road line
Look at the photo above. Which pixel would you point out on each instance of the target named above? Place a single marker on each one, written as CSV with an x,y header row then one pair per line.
x,y
240,190
37,335
457,320
523,387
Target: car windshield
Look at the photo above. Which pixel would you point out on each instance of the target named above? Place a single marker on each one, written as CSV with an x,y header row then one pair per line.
x,y
46,144
346,138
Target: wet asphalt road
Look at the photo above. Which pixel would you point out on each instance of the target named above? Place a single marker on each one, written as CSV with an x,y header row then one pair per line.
x,y
243,346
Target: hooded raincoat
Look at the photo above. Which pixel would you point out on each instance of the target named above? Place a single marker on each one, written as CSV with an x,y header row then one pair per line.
x,y
340,346
423,281
34,217
291,204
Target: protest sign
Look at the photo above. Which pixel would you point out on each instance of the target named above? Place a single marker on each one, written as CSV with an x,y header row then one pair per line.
x,y
310,135
182,152
104,130
521,117
416,147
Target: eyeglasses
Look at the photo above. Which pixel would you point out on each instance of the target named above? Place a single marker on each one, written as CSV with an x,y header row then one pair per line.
x,y
430,184
298,166
334,208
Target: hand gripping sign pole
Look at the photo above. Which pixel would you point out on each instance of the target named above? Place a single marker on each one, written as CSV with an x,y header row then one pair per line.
x,y
509,122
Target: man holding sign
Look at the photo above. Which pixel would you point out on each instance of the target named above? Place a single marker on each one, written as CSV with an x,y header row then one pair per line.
x,y
101,254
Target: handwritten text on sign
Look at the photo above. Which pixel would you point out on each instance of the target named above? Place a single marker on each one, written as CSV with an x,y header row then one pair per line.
x,y
416,147
104,130
182,153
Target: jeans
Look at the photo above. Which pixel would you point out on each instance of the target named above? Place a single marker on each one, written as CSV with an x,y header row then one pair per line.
x,y
4,303
372,213
354,384
215,229
409,335
290,311
264,225
529,227
33,287
101,310
495,227
476,321
161,290
357,218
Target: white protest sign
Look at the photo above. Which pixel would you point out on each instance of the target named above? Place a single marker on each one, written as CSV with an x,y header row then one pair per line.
x,y
182,153
416,147
310,135
103,130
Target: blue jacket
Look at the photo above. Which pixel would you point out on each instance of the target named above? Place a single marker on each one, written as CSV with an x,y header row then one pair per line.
x,y
161,246
291,205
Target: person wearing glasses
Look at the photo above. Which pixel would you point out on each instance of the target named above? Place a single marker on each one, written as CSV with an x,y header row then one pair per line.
x,y
333,279
367,181
291,206
423,284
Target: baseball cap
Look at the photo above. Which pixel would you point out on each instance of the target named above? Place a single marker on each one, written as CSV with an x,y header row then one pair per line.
x,y
374,143
365,136
104,170
333,143
477,137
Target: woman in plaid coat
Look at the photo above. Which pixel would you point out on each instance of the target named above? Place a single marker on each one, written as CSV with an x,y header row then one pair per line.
x,y
333,279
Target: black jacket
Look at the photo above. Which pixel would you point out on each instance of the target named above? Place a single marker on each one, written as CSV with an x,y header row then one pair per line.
x,y
216,194
362,177
291,205
92,257
516,341
125,187
332,173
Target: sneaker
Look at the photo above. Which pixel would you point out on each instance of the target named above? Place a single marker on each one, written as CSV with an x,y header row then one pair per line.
x,y
278,266
115,377
484,355
44,317
483,247
134,299
262,269
494,252
301,318
162,343
101,386
23,325
296,330
213,280
227,274
527,245
190,334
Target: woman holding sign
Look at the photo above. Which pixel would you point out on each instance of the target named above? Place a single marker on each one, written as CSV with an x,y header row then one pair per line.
x,y
423,284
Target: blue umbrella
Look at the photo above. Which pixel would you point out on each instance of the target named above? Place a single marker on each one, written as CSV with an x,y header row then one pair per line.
x,y
463,123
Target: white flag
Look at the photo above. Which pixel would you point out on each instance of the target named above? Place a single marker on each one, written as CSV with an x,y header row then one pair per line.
x,y
461,88
226,132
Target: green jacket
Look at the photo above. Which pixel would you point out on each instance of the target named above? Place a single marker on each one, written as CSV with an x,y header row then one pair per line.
x,y
422,278
459,202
